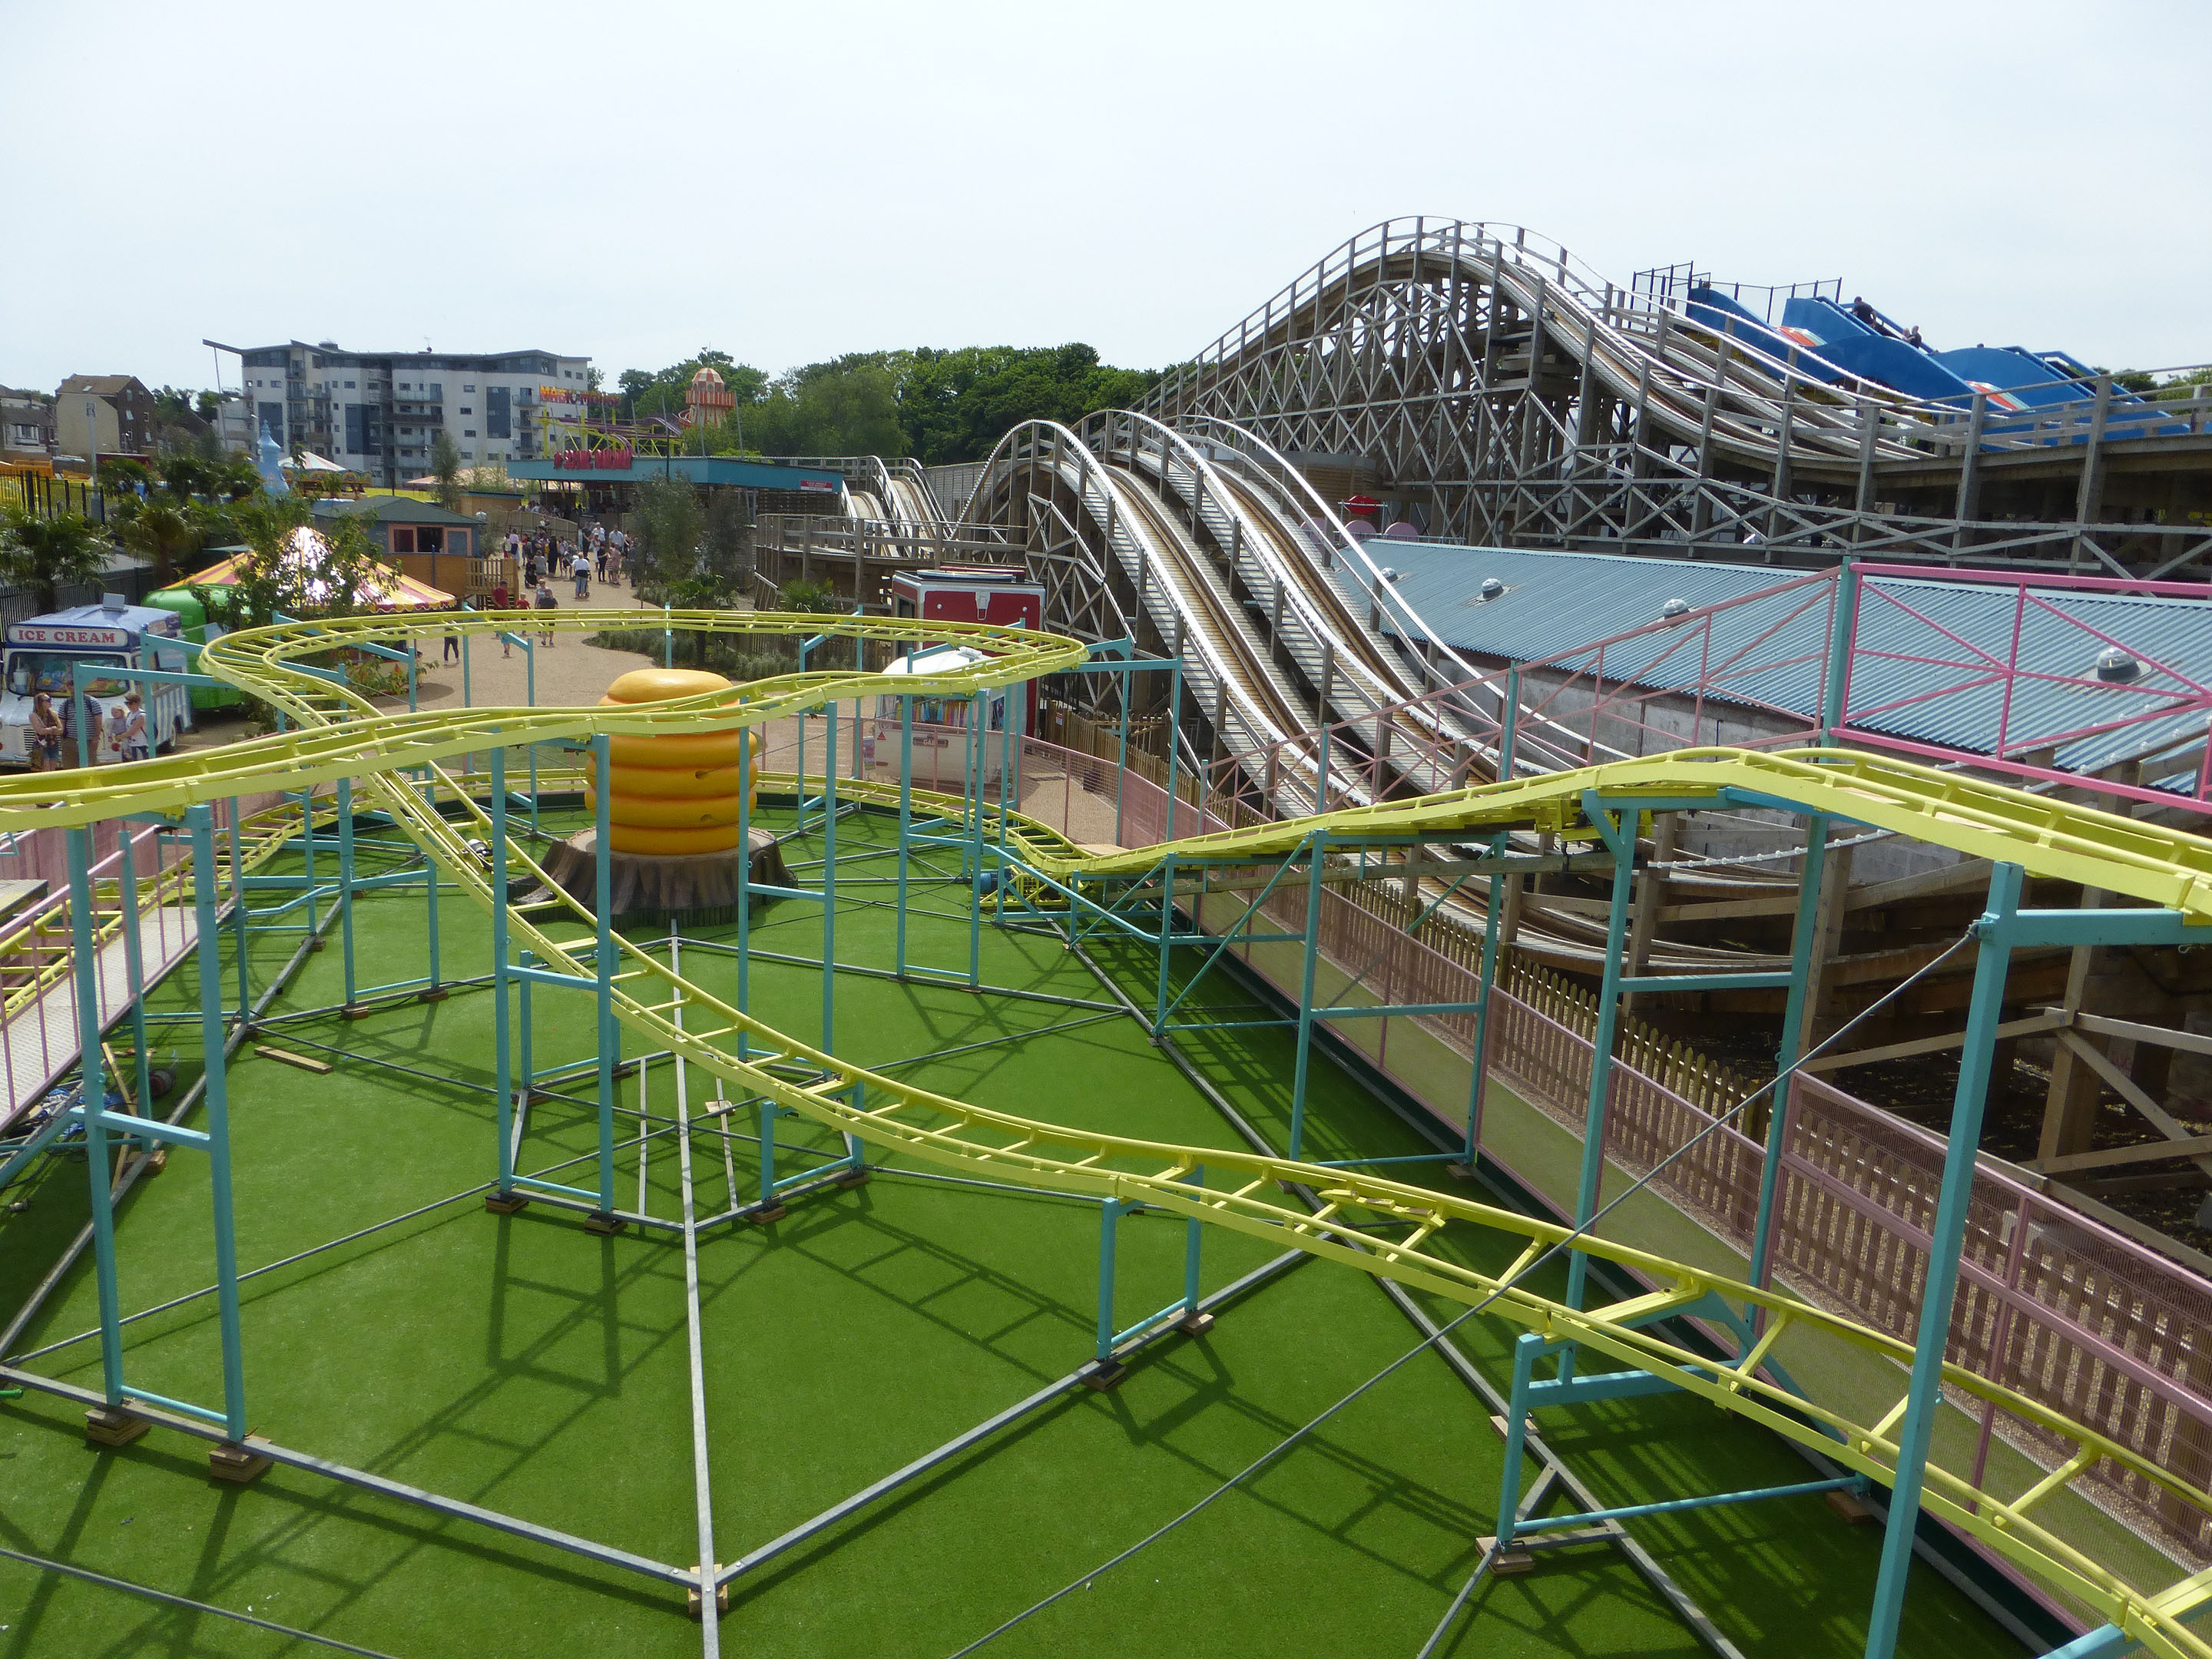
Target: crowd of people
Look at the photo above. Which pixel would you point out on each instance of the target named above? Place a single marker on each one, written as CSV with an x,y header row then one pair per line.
x,y
541,558
117,733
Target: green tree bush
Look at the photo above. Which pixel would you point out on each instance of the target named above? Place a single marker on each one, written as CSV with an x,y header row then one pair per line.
x,y
46,554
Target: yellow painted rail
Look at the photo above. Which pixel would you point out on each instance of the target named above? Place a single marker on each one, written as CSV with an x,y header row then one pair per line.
x,y
342,736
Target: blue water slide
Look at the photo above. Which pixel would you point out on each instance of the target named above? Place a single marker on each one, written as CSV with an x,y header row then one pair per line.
x,y
1865,350
2033,379
1722,314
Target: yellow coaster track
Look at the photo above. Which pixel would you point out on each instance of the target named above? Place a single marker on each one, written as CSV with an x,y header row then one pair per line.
x,y
341,735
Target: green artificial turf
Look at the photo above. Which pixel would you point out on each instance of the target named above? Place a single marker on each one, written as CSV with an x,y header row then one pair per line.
x,y
526,1364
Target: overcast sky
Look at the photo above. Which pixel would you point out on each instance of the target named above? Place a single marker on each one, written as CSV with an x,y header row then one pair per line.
x,y
788,182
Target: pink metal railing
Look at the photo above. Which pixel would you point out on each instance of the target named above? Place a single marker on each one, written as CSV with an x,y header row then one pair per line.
x,y
2089,1322
39,1035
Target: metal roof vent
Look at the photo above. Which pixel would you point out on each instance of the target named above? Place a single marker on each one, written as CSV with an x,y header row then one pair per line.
x,y
1675,608
1390,573
1491,587
2115,666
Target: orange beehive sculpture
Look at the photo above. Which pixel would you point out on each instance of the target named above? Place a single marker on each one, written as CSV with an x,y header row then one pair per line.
x,y
672,793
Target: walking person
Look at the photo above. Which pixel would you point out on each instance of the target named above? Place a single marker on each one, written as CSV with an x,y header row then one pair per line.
x,y
546,602
499,597
581,570
46,735
453,651
87,741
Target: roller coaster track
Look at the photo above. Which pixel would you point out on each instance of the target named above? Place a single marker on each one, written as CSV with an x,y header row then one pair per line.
x,y
1385,1228
1505,393
1126,494
1410,312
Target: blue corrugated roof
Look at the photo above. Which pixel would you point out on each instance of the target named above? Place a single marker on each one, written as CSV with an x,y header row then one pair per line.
x,y
1555,602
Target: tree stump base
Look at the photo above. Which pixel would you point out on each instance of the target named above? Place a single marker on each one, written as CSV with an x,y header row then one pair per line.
x,y
687,886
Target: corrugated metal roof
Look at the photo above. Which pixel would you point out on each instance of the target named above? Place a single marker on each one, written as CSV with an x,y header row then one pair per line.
x,y
1922,644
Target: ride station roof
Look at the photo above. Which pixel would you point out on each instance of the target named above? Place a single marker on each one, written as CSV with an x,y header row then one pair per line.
x,y
1911,636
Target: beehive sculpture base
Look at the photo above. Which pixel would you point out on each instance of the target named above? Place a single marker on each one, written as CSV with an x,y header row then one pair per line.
x,y
685,886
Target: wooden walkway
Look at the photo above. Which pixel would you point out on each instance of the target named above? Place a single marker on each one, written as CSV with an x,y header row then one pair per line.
x,y
38,1044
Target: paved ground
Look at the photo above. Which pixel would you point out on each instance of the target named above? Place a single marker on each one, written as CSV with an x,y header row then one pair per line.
x,y
569,671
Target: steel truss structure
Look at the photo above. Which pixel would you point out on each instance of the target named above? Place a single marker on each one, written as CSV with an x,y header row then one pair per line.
x,y
1504,393
1347,1214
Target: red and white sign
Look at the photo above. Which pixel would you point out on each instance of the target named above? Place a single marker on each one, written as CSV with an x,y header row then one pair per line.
x,y
590,460
822,484
47,633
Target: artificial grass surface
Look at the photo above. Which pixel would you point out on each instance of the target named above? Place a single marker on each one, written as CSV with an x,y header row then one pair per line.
x,y
525,1363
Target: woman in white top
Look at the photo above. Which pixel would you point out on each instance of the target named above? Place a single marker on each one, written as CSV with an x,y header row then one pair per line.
x,y
126,728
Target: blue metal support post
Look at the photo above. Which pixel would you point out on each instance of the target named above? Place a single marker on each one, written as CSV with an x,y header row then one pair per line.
x,y
84,964
134,974
345,882
1620,836
1167,944
215,1100
1121,757
238,915
746,876
1317,848
1479,1055
1803,942
502,1058
603,965
905,823
1110,1218
1007,761
978,755
1946,1241
1174,741
434,991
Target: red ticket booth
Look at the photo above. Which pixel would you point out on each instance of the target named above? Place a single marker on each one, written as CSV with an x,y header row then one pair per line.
x,y
998,594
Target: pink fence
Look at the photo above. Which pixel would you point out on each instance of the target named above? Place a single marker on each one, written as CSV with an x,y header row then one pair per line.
x,y
2084,1320
39,1032
2070,1313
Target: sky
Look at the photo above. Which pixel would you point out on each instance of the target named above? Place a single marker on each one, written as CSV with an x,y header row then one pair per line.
x,y
786,183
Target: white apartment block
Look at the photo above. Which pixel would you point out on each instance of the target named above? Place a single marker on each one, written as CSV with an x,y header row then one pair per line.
x,y
377,412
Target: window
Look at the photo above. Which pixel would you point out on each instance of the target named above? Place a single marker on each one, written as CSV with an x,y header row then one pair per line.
x,y
466,409
498,422
403,386
468,432
403,538
53,673
350,386
468,388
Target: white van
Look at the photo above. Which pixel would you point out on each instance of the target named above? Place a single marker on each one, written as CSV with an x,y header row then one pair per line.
x,y
43,654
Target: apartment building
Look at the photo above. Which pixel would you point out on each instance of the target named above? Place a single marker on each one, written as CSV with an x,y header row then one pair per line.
x,y
110,415
26,425
379,412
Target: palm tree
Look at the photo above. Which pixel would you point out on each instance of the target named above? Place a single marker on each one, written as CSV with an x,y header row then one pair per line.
x,y
44,554
162,531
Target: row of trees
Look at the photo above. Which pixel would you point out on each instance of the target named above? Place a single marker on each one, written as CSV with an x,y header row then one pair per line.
x,y
339,572
188,503
938,406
